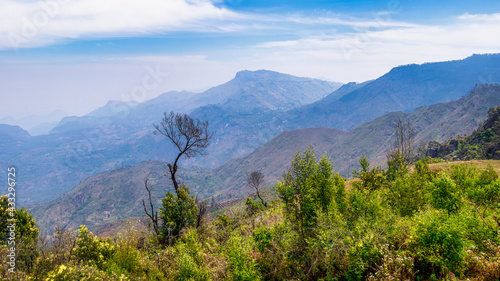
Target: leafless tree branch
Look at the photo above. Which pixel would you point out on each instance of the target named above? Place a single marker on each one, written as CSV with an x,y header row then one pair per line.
x,y
190,136
255,180
153,216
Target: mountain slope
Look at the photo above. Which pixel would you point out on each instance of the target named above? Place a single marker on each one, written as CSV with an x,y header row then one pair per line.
x,y
111,196
435,122
404,88
243,119
118,194
121,133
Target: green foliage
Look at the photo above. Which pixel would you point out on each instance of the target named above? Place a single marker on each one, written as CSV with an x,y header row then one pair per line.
x,y
444,195
421,225
25,230
242,266
369,179
489,175
64,273
177,212
263,238
407,195
397,165
253,208
189,259
91,249
462,174
125,260
438,244
307,188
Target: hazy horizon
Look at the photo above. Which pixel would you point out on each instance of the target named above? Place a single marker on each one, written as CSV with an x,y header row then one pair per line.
x,y
76,55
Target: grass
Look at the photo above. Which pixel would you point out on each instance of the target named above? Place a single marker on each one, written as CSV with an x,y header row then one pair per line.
x,y
479,164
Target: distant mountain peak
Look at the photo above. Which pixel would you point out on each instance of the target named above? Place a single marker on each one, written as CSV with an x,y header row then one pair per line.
x,y
111,108
248,74
13,131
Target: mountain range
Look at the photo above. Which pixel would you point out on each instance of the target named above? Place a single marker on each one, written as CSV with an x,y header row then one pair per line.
x,y
117,194
121,133
36,124
245,113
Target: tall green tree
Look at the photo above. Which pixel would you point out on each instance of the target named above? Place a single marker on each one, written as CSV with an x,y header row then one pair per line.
x,y
307,189
191,137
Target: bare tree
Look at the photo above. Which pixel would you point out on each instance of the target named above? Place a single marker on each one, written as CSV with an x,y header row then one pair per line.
x,y
421,149
190,136
405,135
153,216
402,153
255,180
202,211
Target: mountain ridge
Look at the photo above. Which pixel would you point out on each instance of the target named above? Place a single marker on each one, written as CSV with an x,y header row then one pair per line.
x,y
372,139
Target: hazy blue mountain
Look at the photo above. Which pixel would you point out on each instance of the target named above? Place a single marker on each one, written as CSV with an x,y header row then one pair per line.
x,y
246,112
266,95
344,90
36,124
83,146
117,194
270,90
111,108
13,138
404,88
433,122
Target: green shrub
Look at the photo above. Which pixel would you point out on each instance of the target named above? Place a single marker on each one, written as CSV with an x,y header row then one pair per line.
x,y
406,195
177,212
445,195
91,249
438,244
242,266
187,266
86,272
189,261
125,260
461,174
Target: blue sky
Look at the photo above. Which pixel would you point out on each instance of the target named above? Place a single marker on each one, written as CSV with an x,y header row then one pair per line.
x,y
75,55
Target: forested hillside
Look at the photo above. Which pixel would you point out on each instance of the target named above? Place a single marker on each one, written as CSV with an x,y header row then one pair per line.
x,y
482,143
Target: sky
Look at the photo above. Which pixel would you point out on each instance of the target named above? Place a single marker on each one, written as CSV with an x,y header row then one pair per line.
x,y
75,55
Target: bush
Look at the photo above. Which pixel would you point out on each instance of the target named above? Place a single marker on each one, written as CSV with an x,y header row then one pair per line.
x,y
189,258
438,244
242,266
177,212
86,272
444,195
93,250
406,195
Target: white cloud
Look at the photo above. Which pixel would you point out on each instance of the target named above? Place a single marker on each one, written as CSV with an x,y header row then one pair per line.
x,y
381,20
32,24
368,53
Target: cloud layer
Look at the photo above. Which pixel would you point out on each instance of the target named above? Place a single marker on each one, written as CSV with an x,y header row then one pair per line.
x,y
320,44
33,24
